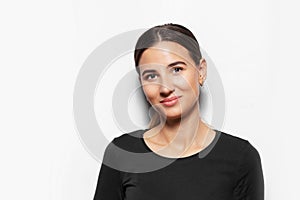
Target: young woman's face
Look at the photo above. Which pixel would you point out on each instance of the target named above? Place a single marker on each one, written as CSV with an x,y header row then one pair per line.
x,y
170,79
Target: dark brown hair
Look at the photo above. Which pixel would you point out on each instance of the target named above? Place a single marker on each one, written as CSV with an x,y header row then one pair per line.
x,y
168,32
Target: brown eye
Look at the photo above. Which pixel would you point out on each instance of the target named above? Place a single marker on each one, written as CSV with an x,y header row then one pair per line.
x,y
177,69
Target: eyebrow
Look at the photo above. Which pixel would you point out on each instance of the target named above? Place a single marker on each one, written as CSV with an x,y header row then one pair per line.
x,y
169,65
176,63
148,71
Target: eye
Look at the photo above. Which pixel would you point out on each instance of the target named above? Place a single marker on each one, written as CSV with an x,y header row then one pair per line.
x,y
150,76
177,69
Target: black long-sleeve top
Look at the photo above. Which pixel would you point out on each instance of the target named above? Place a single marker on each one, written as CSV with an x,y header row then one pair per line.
x,y
229,168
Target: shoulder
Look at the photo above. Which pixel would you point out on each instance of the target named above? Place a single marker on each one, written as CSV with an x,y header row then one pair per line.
x,y
232,144
232,141
123,148
130,141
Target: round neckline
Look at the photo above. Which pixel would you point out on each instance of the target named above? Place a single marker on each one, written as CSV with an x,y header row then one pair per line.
x,y
201,154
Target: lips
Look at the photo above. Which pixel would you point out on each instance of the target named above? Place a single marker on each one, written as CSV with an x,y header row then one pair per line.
x,y
170,101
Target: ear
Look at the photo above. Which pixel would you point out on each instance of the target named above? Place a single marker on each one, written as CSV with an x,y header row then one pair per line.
x,y
202,71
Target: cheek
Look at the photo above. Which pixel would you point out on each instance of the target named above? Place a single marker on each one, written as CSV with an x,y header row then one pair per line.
x,y
188,82
151,91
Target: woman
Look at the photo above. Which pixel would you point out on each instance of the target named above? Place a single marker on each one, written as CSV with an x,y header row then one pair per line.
x,y
205,163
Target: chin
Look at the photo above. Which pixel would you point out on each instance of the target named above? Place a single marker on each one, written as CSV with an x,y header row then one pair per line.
x,y
173,116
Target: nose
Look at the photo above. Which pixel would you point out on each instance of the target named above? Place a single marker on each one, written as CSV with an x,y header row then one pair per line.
x,y
166,87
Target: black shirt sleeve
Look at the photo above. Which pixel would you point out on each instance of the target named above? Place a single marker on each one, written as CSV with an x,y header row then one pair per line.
x,y
109,185
250,180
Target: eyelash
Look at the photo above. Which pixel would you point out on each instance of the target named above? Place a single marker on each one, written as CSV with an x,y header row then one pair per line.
x,y
147,77
178,68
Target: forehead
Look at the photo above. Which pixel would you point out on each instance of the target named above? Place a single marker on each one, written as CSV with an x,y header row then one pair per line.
x,y
165,53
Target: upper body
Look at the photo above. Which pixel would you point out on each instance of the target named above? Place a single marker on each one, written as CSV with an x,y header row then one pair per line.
x,y
229,168
188,159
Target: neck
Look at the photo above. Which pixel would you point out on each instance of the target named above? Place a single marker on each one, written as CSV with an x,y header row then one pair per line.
x,y
181,133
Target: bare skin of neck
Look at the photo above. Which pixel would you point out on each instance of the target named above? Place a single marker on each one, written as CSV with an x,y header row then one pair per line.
x,y
180,137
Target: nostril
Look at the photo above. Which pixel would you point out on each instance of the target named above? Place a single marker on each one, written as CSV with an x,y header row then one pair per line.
x,y
165,91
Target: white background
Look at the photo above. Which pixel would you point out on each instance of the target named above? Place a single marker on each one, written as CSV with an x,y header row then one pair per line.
x,y
254,45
